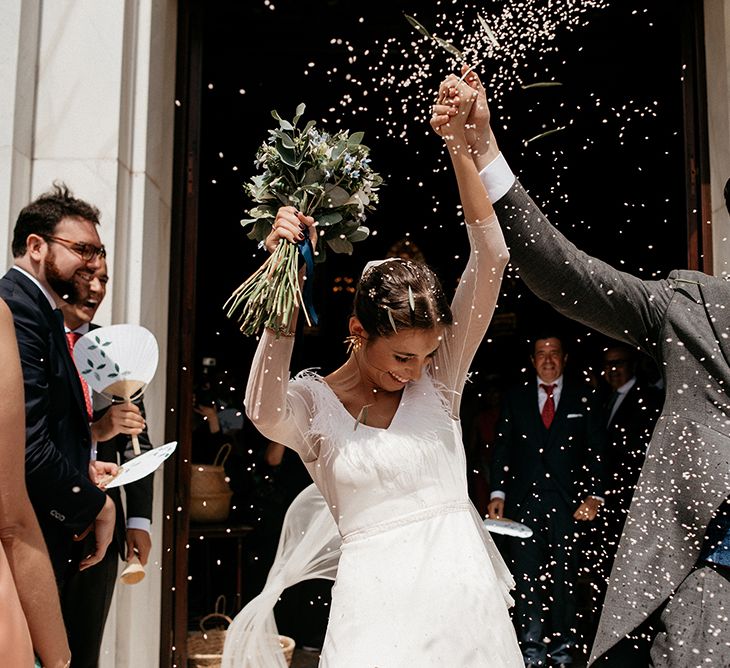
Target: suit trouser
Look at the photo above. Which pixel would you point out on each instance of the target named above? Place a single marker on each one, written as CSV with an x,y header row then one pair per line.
x,y
86,597
545,568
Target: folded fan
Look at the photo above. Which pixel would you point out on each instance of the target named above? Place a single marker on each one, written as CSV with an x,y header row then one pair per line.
x,y
118,361
507,527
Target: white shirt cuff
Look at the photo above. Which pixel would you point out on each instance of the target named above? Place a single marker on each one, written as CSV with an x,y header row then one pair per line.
x,y
139,523
497,178
497,495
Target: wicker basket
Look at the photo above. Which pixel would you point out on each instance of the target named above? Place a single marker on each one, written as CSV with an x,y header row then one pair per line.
x,y
205,647
210,509
207,479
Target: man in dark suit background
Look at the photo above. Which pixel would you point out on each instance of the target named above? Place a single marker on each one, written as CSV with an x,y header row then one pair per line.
x,y
87,595
56,247
547,472
631,413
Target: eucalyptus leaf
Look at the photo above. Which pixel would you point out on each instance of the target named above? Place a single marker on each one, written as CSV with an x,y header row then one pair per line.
x,y
299,112
312,175
275,114
326,219
360,234
355,138
541,84
490,35
338,150
417,26
287,141
340,245
288,157
335,195
544,134
285,125
448,46
262,211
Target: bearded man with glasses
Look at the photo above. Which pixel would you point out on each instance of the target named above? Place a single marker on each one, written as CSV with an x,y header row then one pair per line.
x,y
56,249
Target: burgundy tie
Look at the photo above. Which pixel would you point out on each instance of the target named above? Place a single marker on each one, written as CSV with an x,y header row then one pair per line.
x,y
548,410
72,338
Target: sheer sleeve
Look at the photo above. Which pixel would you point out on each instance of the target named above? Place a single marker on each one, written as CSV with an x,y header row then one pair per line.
x,y
280,410
472,308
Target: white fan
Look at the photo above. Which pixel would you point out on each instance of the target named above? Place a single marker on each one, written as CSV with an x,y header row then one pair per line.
x,y
118,361
507,527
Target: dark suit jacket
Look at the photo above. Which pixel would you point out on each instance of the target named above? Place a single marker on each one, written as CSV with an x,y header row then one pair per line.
x,y
571,452
629,433
58,441
683,322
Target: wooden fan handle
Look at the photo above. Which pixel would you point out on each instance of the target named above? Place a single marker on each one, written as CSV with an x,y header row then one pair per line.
x,y
135,445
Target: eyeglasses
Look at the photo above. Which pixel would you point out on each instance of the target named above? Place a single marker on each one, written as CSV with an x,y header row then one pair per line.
x,y
86,252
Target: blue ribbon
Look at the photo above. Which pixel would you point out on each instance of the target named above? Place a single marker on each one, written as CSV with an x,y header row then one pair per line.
x,y
307,253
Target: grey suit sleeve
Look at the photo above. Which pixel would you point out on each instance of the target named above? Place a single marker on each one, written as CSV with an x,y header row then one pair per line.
x,y
577,285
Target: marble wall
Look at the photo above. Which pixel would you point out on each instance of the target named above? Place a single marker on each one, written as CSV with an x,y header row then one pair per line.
x,y
87,97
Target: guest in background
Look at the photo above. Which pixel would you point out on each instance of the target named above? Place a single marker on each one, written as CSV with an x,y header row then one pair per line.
x,y
56,248
631,412
30,614
87,595
547,473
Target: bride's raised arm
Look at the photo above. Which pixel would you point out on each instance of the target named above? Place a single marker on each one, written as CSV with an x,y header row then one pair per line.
x,y
476,295
279,414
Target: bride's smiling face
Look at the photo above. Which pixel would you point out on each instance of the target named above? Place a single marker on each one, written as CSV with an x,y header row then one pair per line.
x,y
391,362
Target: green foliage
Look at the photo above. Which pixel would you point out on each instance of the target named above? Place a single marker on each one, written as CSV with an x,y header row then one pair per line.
x,y
326,176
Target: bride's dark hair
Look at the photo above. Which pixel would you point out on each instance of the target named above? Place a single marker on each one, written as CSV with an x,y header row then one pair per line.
x,y
384,305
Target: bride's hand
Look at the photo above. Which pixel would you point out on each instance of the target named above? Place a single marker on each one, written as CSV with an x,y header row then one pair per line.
x,y
452,108
291,225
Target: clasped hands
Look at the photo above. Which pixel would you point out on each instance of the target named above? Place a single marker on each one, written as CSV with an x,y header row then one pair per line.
x,y
461,111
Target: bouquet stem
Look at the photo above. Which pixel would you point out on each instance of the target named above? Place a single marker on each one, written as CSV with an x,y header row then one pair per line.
x,y
269,297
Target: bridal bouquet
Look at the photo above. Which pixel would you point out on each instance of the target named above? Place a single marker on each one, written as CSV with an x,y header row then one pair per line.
x,y
326,176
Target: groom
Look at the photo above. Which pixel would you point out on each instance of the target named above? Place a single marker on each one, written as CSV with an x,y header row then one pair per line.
x,y
668,599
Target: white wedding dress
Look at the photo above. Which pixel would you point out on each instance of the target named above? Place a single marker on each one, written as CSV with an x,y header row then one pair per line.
x,y
419,581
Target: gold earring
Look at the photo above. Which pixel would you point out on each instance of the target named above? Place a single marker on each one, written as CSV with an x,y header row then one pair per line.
x,y
354,343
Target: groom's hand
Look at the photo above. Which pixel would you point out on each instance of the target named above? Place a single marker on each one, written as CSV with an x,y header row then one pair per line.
x,y
479,134
495,509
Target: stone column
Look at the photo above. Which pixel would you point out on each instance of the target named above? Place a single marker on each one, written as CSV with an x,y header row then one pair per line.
x,y
717,54
90,101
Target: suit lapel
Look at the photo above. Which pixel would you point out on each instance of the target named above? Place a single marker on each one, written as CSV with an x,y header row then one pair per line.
x,y
716,298
55,322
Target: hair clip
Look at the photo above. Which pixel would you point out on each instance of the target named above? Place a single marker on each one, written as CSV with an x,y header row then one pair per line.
x,y
392,321
411,302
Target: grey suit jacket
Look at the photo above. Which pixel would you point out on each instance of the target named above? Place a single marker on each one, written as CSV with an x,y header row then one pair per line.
x,y
683,322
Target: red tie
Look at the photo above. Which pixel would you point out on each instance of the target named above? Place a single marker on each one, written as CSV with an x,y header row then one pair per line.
x,y
72,338
548,410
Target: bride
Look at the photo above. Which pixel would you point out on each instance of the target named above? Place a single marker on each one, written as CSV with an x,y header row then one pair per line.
x,y
419,582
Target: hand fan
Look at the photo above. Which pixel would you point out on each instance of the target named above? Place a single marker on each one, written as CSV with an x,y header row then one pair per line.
x,y
118,361
507,527
139,467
